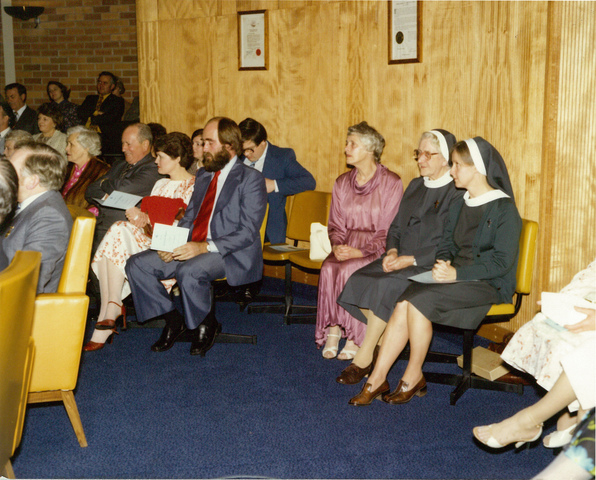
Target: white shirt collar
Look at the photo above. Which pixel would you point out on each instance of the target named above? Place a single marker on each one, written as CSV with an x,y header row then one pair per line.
x,y
484,198
443,180
20,111
29,201
4,132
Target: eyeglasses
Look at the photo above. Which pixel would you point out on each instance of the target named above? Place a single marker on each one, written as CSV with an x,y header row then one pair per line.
x,y
421,154
248,151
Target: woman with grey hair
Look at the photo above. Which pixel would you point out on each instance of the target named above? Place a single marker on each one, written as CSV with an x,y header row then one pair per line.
x,y
82,147
363,204
15,139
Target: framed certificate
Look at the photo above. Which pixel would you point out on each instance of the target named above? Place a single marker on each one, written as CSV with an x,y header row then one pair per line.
x,y
405,31
253,38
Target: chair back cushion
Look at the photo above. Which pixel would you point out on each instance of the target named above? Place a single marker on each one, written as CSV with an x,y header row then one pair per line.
x,y
18,284
527,256
76,264
307,207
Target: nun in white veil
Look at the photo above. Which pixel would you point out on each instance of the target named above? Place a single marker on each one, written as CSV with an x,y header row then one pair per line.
x,y
475,267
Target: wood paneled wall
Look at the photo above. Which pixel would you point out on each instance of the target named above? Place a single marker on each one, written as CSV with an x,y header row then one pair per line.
x,y
507,71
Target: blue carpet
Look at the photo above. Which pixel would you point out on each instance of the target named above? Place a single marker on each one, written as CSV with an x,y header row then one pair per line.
x,y
266,410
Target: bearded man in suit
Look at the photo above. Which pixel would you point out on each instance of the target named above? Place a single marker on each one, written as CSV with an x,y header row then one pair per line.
x,y
42,222
224,216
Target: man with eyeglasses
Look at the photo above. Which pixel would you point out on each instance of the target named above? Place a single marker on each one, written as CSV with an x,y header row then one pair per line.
x,y
283,175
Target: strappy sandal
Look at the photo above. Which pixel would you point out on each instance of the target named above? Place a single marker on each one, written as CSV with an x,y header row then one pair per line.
x,y
332,349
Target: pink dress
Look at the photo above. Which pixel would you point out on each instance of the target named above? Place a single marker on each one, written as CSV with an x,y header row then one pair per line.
x,y
360,217
123,239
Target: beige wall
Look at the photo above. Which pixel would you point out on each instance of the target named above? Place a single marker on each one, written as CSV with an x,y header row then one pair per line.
x,y
506,71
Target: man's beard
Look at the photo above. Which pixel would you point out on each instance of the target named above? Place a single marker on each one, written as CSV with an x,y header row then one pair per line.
x,y
214,163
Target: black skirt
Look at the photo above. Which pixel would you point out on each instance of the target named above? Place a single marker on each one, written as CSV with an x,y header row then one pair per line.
x,y
373,289
461,304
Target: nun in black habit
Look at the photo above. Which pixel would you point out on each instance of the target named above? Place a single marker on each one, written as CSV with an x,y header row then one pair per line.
x,y
475,267
371,293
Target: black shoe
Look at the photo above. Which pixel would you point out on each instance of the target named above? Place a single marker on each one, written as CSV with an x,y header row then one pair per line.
x,y
204,338
174,328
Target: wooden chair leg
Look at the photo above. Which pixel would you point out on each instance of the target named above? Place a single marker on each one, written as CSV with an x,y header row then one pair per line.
x,y
7,470
75,419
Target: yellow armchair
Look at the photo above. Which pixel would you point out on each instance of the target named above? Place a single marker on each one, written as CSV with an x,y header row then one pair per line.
x,y
18,284
59,327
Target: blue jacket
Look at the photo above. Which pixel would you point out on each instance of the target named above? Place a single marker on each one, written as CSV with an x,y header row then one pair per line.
x,y
292,178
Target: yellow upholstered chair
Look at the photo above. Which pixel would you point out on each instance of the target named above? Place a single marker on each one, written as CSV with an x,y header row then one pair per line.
x,y
76,211
497,313
18,284
59,327
307,207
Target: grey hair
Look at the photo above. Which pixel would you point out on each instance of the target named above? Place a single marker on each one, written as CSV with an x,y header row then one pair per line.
x,y
45,162
433,139
88,139
143,132
372,140
18,136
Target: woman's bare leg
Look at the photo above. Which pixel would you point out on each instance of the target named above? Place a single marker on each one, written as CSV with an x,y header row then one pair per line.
x,y
420,333
395,339
526,423
374,330
111,281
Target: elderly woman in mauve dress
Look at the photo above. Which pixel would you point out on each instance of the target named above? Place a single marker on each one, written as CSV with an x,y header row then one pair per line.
x,y
166,205
363,203
371,293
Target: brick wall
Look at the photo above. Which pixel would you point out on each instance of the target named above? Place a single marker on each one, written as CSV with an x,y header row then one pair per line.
x,y
75,41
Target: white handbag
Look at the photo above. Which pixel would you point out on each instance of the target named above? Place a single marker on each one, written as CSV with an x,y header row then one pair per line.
x,y
320,246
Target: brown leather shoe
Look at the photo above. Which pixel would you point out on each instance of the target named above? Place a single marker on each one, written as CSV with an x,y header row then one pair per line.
x,y
366,396
403,395
353,374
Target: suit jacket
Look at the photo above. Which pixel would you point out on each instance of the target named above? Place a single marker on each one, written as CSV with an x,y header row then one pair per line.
x,y
236,221
291,177
44,226
109,122
28,121
139,180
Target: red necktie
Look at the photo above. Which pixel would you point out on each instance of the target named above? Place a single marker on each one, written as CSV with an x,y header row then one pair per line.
x,y
201,223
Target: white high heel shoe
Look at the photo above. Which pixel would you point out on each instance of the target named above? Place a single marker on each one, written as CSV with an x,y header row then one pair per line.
x,y
493,443
559,438
333,349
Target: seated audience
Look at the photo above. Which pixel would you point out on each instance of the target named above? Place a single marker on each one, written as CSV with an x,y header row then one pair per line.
x,y
7,121
102,113
58,94
577,382
49,120
283,175
14,139
82,148
371,293
197,151
136,174
167,203
9,186
476,266
42,222
363,204
224,241
538,346
26,117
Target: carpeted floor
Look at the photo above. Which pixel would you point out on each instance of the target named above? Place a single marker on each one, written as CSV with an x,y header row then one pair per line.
x,y
266,410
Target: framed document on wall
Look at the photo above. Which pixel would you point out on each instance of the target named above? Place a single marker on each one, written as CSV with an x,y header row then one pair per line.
x,y
253,39
405,31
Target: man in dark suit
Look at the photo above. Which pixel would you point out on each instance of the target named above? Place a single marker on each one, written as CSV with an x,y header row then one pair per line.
x,y
103,112
42,222
136,174
224,216
283,175
16,96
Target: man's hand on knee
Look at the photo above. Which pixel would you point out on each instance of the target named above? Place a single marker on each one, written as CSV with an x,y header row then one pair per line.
x,y
189,250
165,256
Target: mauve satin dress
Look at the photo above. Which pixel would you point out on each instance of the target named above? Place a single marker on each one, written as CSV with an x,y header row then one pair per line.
x,y
360,217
